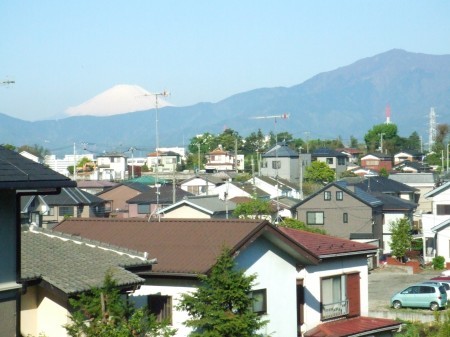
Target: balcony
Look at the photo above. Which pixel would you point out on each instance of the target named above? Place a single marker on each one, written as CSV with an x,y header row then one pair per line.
x,y
333,310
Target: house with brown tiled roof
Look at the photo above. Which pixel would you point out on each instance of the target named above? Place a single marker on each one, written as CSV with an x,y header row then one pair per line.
x,y
301,277
220,160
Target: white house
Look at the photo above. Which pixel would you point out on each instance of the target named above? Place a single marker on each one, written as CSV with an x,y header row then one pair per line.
x,y
111,166
201,185
303,280
434,224
221,160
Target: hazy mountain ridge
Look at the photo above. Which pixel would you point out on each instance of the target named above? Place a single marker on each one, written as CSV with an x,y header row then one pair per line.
x,y
344,102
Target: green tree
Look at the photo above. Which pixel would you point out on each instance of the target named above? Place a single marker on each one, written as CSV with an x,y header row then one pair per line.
x,y
383,172
390,137
254,209
103,312
227,139
9,147
319,172
401,237
255,142
37,150
297,224
221,305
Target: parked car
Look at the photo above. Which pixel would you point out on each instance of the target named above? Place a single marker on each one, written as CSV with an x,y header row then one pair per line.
x,y
444,283
421,295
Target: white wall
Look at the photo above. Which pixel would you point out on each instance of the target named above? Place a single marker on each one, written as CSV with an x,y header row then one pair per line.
x,y
389,218
312,275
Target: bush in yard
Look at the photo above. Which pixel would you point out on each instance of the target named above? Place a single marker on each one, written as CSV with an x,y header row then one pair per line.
x,y
438,263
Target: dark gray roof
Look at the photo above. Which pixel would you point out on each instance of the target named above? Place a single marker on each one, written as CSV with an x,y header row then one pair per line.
x,y
165,195
325,152
72,197
384,185
73,267
358,194
18,172
392,203
280,150
140,187
415,178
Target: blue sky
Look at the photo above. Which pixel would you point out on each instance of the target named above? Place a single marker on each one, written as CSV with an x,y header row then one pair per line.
x,y
62,53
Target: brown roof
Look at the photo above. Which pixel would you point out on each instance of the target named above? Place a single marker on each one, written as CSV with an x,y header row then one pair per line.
x,y
360,326
325,245
181,246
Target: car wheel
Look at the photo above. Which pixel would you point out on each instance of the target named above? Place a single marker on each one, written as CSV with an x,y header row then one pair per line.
x,y
397,304
434,306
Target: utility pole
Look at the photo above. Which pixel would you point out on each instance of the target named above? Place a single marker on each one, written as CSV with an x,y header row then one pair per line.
x,y
300,161
275,117
381,142
235,156
198,155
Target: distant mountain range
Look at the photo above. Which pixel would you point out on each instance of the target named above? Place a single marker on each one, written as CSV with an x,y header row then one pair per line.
x,y
344,102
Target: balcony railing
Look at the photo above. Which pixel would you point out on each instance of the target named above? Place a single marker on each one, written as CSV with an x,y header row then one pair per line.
x,y
336,309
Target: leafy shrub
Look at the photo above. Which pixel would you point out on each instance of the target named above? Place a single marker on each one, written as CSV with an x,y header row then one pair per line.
x,y
438,263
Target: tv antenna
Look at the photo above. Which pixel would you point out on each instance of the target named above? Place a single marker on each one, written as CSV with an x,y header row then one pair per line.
x,y
275,117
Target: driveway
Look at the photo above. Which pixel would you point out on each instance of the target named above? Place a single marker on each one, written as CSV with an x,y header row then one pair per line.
x,y
384,282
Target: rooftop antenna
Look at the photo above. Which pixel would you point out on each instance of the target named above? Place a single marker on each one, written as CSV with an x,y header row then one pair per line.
x,y
275,117
164,94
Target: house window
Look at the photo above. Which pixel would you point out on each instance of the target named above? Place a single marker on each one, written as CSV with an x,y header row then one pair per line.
x,y
51,211
443,209
334,297
372,162
341,161
143,209
330,161
327,195
161,307
276,164
345,218
314,218
339,195
65,210
259,303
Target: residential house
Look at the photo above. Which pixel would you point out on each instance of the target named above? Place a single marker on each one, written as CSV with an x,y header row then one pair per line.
x,y
47,210
200,207
336,160
332,296
147,203
201,185
423,182
116,198
56,267
221,160
277,187
300,282
344,211
441,247
283,162
387,186
352,154
230,190
19,176
394,209
408,166
111,166
409,155
95,186
286,207
434,222
163,161
377,161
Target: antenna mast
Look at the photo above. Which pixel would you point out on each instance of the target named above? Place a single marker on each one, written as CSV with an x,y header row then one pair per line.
x,y
275,117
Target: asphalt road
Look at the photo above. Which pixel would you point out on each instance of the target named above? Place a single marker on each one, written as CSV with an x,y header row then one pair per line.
x,y
384,282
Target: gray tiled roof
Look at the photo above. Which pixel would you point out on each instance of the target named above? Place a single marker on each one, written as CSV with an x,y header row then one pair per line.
x,y
71,197
415,178
73,267
384,185
210,204
18,172
325,152
165,195
280,150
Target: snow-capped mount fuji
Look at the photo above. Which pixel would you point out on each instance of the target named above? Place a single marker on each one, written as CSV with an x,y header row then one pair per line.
x,y
120,99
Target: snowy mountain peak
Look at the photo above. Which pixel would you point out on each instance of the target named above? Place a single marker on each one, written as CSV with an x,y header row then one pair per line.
x,y
122,98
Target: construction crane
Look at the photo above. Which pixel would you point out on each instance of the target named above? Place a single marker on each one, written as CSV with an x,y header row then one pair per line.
x,y
275,117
